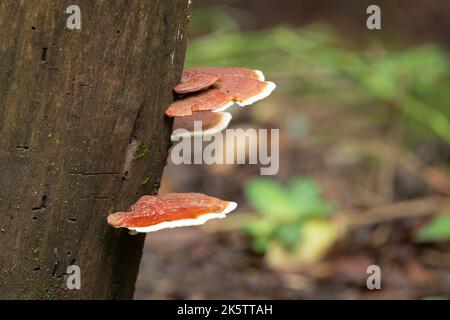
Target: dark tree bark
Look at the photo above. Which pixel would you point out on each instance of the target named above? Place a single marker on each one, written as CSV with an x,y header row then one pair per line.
x,y
82,134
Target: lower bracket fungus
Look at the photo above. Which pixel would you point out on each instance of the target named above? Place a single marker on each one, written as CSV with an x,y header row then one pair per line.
x,y
211,123
154,213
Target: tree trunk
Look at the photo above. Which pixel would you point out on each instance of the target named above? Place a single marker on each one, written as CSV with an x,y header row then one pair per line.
x,y
82,134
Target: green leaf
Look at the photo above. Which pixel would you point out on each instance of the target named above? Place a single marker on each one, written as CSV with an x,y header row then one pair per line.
x,y
284,210
436,121
319,209
304,189
269,198
289,235
381,80
260,228
259,245
437,229
305,193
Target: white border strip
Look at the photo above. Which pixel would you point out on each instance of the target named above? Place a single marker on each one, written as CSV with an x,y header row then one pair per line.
x,y
265,93
260,75
224,107
186,222
184,133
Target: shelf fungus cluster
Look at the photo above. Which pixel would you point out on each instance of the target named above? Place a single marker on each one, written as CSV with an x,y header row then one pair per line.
x,y
206,92
154,213
204,95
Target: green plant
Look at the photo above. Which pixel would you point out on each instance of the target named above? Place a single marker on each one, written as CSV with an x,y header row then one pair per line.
x,y
438,229
294,219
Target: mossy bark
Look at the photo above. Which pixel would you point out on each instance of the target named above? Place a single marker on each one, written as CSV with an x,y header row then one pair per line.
x,y
76,106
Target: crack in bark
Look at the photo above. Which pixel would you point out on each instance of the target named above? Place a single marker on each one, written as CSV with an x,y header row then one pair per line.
x,y
88,174
43,204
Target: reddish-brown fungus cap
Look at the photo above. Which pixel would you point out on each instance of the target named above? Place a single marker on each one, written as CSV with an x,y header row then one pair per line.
x,y
211,99
153,213
235,85
193,81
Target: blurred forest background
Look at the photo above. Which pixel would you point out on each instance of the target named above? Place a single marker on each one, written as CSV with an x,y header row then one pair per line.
x,y
364,119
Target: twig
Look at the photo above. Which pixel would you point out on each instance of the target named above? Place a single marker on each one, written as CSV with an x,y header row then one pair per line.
x,y
353,219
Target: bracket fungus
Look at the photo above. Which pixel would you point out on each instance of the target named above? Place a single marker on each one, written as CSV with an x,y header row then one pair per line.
x,y
215,89
153,213
194,80
211,123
